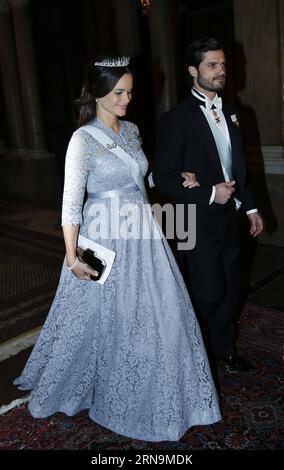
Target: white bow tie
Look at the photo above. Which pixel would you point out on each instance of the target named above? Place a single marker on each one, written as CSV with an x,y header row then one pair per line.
x,y
217,103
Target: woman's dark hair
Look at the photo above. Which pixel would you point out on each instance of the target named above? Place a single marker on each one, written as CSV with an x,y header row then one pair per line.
x,y
196,49
98,82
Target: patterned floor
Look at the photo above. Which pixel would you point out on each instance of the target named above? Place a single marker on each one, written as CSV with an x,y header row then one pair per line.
x,y
30,266
31,255
251,405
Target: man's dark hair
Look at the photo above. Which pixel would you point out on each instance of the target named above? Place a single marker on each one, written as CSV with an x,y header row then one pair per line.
x,y
196,49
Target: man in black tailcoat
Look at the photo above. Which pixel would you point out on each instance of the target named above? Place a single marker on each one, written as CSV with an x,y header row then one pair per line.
x,y
202,136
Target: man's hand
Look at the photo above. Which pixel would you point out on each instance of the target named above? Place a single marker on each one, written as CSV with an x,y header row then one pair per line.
x,y
224,192
190,180
256,222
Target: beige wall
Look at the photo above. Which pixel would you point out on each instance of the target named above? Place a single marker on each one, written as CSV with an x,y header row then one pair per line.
x,y
259,34
257,28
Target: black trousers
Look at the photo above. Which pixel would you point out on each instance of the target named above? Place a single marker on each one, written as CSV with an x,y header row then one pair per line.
x,y
211,273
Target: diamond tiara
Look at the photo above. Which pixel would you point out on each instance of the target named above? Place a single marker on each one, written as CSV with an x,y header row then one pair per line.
x,y
118,62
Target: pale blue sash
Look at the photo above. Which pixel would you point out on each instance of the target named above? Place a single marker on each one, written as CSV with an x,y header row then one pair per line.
x,y
114,192
110,145
223,147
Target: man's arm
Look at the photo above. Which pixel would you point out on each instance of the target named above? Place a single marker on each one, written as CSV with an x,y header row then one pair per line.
x,y
169,163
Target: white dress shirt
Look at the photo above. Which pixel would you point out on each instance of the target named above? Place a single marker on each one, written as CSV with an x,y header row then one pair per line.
x,y
217,116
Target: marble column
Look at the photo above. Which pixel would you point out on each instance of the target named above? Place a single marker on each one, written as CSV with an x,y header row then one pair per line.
x,y
281,54
163,56
11,86
28,79
104,14
34,176
127,27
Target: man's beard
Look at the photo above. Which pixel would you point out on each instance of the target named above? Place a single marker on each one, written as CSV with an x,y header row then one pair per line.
x,y
203,83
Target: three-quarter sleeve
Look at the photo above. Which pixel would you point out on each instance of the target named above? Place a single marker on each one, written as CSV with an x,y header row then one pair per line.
x,y
76,173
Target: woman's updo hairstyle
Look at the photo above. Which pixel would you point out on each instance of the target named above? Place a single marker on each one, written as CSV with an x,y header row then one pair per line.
x,y
98,81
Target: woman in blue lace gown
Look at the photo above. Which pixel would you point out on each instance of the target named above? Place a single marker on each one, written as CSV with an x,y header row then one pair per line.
x,y
129,351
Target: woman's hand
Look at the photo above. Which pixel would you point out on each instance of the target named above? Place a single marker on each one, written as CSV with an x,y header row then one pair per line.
x,y
190,180
83,271
79,269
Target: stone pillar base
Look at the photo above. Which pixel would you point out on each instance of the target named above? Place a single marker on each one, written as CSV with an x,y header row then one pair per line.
x,y
3,148
38,154
274,215
31,180
268,159
15,153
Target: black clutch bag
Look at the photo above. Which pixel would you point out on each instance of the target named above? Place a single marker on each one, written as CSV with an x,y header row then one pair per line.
x,y
92,260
